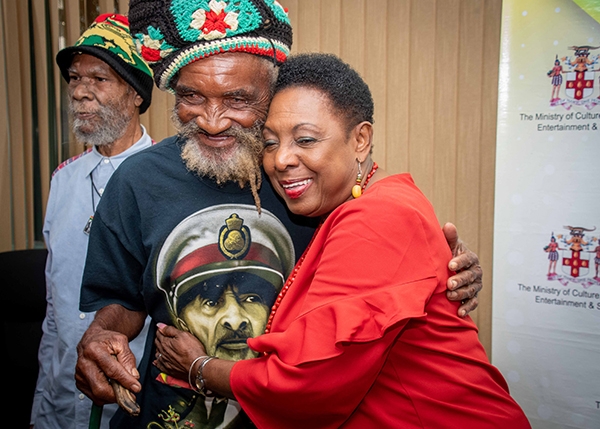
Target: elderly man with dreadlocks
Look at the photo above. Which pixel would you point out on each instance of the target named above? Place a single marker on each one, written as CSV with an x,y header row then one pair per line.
x,y
109,87
188,231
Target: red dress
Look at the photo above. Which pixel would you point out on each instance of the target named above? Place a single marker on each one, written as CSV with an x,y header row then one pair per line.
x,y
366,338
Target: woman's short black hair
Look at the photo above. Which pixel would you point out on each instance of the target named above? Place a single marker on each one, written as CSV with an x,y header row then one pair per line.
x,y
347,91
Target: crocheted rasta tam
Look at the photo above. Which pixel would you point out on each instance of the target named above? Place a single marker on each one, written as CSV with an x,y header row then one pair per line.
x,y
108,39
170,34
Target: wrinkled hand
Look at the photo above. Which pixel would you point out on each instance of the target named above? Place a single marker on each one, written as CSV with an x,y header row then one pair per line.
x,y
176,350
467,282
104,355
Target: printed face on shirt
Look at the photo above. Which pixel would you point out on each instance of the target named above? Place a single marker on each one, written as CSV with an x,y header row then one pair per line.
x,y
225,311
221,103
101,103
221,269
309,156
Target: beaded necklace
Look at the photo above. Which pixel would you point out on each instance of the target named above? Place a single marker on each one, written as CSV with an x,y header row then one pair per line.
x,y
373,170
292,276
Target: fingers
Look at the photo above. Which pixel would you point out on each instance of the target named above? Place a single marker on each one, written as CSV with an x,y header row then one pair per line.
x,y
120,366
90,380
466,293
125,399
170,340
103,356
451,236
471,276
175,351
171,364
169,356
468,306
463,261
464,287
167,330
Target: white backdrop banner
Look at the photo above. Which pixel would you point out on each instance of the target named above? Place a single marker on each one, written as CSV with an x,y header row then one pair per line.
x,y
546,311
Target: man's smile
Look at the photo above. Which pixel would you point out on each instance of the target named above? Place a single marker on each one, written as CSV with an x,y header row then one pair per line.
x,y
216,141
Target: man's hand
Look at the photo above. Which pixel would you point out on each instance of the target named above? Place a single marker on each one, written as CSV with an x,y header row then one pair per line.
x,y
104,354
466,283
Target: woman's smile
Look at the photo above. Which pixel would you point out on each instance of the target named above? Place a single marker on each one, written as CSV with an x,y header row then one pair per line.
x,y
295,188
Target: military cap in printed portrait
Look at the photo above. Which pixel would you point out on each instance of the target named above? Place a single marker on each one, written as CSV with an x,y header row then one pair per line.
x,y
221,270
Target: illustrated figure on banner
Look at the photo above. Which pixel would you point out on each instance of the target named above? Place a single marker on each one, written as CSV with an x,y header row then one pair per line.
x,y
552,248
575,260
596,257
579,88
556,75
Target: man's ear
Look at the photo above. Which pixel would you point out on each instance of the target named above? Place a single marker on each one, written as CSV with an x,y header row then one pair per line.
x,y
364,139
138,100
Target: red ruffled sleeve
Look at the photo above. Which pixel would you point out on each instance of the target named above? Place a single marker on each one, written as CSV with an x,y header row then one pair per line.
x,y
323,332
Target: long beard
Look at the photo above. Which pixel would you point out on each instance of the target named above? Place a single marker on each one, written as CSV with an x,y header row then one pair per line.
x,y
111,123
240,164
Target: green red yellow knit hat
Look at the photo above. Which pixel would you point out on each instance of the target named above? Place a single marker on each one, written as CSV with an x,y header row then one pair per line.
x,y
170,34
109,39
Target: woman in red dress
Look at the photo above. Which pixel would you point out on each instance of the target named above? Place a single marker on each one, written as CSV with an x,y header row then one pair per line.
x,y
361,335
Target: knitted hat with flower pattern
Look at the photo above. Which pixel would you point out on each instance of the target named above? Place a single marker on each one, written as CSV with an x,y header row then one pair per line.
x,y
108,39
170,34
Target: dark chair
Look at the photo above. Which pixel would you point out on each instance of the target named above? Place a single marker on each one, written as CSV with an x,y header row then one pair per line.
x,y
24,309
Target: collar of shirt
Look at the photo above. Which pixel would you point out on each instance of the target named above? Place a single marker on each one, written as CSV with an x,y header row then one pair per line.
x,y
95,158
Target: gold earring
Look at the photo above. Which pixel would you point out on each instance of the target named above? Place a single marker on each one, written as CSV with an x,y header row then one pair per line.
x,y
356,189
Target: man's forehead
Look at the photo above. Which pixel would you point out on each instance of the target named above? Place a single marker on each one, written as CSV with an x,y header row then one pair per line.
x,y
226,73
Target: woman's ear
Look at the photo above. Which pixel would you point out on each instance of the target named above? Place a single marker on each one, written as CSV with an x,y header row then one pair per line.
x,y
364,139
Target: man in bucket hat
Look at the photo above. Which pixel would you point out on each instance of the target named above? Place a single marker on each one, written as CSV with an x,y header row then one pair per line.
x,y
109,87
220,60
